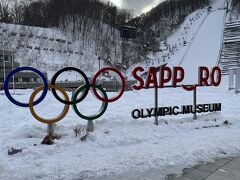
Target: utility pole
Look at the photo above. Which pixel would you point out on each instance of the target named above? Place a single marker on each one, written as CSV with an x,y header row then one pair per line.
x,y
195,103
156,106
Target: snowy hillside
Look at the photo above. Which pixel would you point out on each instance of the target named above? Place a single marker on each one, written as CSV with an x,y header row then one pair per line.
x,y
174,49
48,49
196,43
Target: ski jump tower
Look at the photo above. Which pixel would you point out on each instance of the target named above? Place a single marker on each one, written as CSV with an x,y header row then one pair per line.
x,y
229,58
230,53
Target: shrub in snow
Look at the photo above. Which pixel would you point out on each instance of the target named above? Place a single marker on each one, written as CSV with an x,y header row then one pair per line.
x,y
82,133
13,151
49,139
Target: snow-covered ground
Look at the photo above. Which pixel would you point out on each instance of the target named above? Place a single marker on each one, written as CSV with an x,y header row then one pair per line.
x,y
119,143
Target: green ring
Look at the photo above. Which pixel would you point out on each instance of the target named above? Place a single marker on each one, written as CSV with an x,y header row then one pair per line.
x,y
102,109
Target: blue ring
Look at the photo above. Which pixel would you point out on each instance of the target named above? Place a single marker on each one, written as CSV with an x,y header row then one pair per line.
x,y
11,74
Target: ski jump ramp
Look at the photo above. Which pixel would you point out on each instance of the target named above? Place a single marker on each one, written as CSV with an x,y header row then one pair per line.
x,y
206,47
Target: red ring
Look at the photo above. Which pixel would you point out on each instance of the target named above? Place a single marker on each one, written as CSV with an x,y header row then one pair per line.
x,y
120,91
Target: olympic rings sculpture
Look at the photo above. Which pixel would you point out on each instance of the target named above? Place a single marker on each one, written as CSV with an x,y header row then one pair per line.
x,y
82,91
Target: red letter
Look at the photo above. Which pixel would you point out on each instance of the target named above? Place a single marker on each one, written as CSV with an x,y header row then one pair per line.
x,y
219,76
203,76
151,78
138,78
177,79
162,78
189,88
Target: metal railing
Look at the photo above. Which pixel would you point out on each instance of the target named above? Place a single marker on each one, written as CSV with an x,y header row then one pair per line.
x,y
109,86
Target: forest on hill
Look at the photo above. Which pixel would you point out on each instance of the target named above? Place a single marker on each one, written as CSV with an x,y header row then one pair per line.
x,y
234,15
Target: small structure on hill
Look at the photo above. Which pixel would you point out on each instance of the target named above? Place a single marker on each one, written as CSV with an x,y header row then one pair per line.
x,y
128,32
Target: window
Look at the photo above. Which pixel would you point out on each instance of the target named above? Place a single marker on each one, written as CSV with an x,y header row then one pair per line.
x,y
32,79
20,80
39,80
6,58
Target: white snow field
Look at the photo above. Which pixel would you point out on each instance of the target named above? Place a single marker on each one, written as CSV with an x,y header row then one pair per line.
x,y
119,143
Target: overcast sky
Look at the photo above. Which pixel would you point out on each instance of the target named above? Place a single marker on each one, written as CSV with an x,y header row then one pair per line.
x,y
138,6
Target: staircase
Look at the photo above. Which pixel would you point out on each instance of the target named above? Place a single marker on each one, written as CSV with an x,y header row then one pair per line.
x,y
230,52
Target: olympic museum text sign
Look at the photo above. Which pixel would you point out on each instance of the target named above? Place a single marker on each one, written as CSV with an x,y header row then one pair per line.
x,y
166,75
176,110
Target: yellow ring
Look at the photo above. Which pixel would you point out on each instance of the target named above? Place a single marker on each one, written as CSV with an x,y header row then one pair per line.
x,y
53,120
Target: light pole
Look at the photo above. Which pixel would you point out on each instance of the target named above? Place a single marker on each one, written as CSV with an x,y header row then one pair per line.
x,y
4,68
99,63
13,76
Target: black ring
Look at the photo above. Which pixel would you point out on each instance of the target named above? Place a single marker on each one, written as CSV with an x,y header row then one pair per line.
x,y
85,93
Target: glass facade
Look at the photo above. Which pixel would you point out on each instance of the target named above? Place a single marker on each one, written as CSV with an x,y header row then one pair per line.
x,y
6,58
21,79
